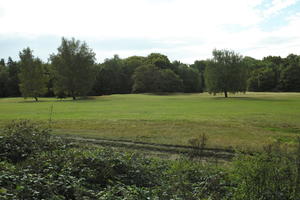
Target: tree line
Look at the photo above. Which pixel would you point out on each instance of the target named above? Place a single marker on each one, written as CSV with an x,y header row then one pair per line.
x,y
73,71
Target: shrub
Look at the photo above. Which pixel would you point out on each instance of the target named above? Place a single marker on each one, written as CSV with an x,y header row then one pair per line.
x,y
23,138
270,175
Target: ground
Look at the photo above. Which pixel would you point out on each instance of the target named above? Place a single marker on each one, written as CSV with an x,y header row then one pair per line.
x,y
243,121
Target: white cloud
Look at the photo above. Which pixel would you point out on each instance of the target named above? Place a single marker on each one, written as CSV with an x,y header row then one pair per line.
x,y
195,26
118,18
278,5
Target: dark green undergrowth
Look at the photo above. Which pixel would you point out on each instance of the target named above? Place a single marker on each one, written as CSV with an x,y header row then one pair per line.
x,y
36,165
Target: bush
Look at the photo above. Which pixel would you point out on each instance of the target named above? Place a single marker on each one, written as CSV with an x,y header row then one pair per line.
x,y
22,139
271,175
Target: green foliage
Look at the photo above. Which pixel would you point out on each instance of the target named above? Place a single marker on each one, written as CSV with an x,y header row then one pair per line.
x,y
32,76
13,82
74,68
159,60
226,72
271,175
149,78
22,139
4,77
60,171
109,78
145,79
191,78
168,81
65,172
198,145
262,79
289,79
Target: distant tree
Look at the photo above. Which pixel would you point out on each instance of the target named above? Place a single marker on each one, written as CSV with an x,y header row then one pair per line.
x,y
191,78
13,81
129,66
32,77
290,78
50,73
3,81
276,60
109,76
168,81
226,72
262,80
149,78
200,65
74,68
2,62
159,60
145,79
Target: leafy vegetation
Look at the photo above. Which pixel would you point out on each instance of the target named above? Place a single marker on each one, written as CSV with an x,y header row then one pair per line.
x,y
72,171
32,77
73,68
226,72
73,72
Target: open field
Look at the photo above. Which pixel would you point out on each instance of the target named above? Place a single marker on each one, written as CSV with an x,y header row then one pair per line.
x,y
244,120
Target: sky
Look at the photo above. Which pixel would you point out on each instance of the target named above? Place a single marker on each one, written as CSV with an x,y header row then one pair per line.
x,y
185,30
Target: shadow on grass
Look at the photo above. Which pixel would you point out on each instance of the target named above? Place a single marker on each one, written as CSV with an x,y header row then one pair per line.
x,y
78,99
248,98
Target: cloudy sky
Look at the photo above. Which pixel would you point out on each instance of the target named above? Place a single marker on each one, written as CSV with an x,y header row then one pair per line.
x,y
184,30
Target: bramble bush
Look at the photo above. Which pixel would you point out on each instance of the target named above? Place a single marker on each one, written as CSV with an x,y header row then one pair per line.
x,y
36,165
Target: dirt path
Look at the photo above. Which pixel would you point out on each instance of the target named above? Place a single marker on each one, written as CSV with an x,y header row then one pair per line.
x,y
224,154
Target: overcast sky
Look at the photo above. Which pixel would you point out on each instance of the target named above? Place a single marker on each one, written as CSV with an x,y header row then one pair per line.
x,y
185,30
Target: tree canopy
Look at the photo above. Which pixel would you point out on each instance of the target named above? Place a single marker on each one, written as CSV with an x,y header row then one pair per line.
x,y
225,72
73,71
74,68
32,77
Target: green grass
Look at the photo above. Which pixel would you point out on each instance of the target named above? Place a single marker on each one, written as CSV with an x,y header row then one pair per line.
x,y
245,120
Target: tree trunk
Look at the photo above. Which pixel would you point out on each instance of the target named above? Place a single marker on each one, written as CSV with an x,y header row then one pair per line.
x,y
36,99
74,98
225,92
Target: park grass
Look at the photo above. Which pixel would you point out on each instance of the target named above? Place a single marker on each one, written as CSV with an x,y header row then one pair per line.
x,y
244,121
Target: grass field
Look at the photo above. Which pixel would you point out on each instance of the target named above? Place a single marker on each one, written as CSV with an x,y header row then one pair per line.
x,y
243,121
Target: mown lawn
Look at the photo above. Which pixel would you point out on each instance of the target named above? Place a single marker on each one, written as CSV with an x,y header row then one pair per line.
x,y
243,120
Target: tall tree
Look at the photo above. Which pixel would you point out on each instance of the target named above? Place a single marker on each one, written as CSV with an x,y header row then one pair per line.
x,y
13,81
290,78
145,79
191,78
149,78
32,77
3,81
225,72
74,68
200,65
2,62
159,60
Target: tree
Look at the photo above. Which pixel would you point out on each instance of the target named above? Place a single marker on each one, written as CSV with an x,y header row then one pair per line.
x,y
149,78
226,72
262,80
200,66
290,78
13,80
2,62
74,68
3,81
109,76
159,60
32,77
191,78
168,81
129,66
145,79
